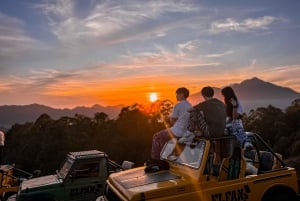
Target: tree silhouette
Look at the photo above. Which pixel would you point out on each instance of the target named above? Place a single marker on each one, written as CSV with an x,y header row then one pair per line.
x,y
44,143
265,121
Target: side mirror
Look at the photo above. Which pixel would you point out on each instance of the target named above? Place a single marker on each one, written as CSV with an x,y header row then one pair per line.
x,y
127,165
37,173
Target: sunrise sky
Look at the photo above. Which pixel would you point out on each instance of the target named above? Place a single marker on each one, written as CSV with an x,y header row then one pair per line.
x,y
67,53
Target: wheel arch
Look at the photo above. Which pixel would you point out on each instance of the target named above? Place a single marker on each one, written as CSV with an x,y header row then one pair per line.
x,y
7,194
273,192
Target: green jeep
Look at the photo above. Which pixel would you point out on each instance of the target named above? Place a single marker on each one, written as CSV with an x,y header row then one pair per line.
x,y
81,177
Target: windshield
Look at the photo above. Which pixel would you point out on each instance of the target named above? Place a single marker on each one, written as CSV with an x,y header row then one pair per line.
x,y
185,154
64,170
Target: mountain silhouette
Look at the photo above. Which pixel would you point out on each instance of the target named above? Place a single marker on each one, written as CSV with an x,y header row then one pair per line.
x,y
252,93
255,88
11,114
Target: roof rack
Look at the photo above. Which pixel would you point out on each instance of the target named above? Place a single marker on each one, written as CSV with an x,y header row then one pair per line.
x,y
87,154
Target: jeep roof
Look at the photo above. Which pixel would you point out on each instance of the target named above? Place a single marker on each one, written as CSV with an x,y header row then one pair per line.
x,y
86,154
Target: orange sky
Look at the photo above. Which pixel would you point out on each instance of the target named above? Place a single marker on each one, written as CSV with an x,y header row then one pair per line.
x,y
127,91
90,88
66,53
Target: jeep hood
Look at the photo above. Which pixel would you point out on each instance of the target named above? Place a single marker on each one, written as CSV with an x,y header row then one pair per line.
x,y
135,184
40,182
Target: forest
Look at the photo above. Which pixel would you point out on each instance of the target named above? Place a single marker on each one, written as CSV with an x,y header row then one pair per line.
x,y
43,144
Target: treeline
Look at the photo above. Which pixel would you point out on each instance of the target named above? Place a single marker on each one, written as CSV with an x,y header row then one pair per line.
x,y
44,143
280,129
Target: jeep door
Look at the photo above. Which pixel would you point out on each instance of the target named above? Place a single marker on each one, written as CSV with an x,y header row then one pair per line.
x,y
86,180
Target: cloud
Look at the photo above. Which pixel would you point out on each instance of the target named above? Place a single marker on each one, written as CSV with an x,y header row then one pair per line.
x,y
163,60
142,65
192,48
219,54
92,47
189,46
284,75
14,41
280,75
56,10
19,50
247,25
36,81
107,20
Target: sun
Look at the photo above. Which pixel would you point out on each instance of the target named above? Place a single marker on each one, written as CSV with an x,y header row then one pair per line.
x,y
153,97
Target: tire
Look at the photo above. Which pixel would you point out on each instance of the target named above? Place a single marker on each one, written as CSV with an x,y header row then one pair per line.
x,y
280,194
6,195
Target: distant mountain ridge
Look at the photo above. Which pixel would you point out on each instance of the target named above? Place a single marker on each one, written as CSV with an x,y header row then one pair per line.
x,y
252,93
262,90
11,114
